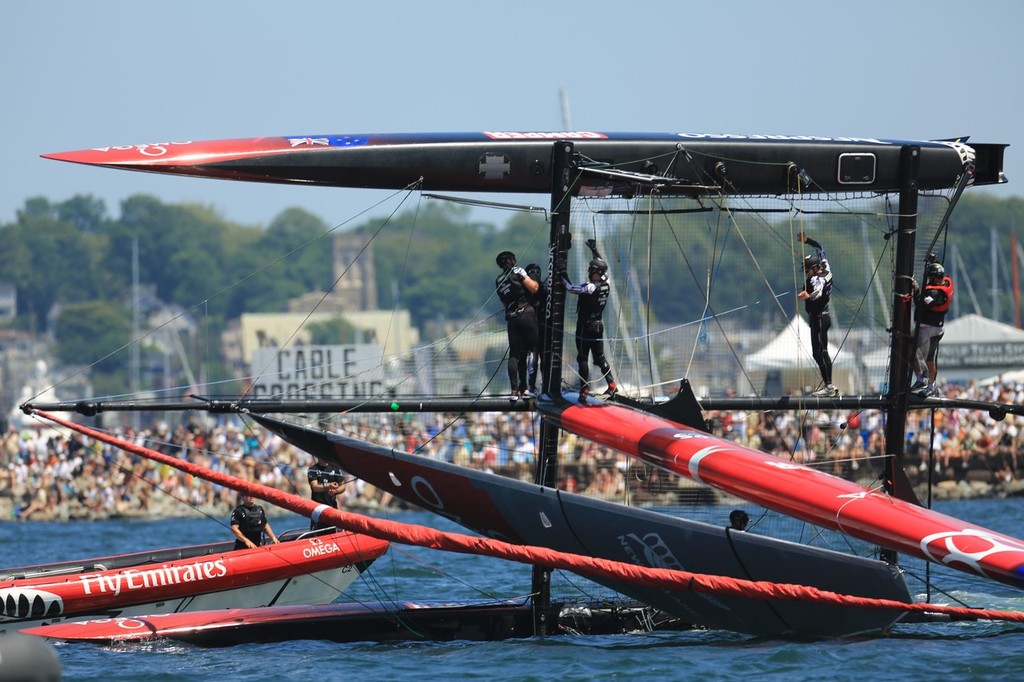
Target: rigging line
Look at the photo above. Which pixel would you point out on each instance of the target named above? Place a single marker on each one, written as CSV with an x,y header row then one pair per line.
x,y
298,329
226,289
710,308
648,309
965,178
488,204
631,285
131,472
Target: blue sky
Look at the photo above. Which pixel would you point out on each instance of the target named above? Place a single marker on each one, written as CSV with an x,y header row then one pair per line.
x,y
84,74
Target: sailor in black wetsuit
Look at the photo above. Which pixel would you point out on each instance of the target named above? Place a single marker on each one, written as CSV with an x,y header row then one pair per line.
x,y
326,482
593,297
515,288
248,523
815,295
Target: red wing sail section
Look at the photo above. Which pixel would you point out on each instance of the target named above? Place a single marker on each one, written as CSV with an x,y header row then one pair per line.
x,y
795,490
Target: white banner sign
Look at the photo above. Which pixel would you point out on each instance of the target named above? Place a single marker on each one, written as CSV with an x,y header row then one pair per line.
x,y
344,372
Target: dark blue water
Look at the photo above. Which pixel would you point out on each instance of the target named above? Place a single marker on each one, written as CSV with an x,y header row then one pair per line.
x,y
961,651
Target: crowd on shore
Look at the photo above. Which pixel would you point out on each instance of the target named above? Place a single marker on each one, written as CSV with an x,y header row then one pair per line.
x,y
49,474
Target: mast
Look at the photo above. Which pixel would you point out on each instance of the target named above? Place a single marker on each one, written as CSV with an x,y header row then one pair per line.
x,y
896,482
563,174
993,247
134,352
1016,279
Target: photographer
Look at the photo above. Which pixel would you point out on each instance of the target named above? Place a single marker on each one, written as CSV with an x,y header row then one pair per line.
x,y
326,482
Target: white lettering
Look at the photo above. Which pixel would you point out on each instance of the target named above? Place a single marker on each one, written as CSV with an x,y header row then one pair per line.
x,y
781,138
320,550
578,135
151,149
134,579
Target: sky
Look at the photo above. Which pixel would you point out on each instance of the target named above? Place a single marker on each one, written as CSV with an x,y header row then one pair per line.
x,y
78,74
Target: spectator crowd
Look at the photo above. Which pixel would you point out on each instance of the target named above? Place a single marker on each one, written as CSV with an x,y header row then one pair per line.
x,y
49,474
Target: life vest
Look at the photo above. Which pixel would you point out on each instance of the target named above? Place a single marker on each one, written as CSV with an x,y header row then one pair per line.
x,y
934,313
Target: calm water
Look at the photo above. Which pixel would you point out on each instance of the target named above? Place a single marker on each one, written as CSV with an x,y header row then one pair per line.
x,y
963,651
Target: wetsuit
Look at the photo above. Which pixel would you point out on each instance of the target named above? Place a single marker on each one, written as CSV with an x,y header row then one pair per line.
x,y
521,320
593,297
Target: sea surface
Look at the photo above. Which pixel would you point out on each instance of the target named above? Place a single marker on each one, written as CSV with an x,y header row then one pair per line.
x,y
961,651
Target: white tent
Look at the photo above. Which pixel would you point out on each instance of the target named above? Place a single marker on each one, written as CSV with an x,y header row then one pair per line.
x,y
972,348
977,329
785,364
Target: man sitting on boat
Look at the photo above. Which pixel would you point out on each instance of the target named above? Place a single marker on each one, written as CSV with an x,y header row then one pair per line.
x,y
249,523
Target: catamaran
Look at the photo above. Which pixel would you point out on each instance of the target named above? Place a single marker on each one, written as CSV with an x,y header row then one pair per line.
x,y
661,175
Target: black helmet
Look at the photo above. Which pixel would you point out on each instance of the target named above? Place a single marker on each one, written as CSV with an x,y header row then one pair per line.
x,y
504,256
935,270
812,261
598,265
738,518
533,270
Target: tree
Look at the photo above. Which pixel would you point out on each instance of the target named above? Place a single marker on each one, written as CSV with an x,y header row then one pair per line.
x,y
49,260
93,333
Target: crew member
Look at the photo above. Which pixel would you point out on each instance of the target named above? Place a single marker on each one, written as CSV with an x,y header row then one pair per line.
x,y
515,289
539,301
593,297
931,305
738,520
249,523
816,294
326,483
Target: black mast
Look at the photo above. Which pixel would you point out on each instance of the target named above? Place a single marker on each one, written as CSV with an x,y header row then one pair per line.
x,y
896,481
563,174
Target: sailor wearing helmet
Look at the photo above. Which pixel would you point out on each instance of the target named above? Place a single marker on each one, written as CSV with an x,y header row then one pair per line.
x,y
932,304
815,295
515,289
593,297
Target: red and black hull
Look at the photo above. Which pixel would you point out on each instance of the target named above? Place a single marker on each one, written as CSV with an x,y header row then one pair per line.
x,y
520,162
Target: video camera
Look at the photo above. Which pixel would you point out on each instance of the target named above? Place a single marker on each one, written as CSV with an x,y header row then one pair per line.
x,y
333,476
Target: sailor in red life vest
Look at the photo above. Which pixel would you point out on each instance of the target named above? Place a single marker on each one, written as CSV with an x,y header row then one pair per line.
x,y
248,523
932,304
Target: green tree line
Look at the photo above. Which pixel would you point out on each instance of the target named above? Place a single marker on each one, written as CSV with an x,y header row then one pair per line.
x,y
72,263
